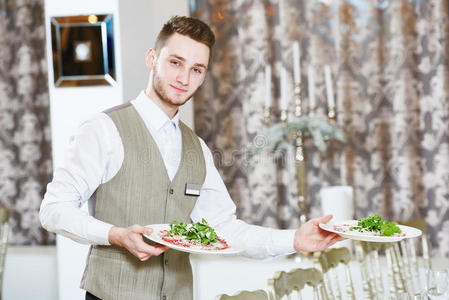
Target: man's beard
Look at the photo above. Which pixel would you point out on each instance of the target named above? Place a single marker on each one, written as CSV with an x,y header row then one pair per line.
x,y
162,93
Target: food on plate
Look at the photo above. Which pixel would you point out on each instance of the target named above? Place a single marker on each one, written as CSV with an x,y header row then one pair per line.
x,y
372,225
198,235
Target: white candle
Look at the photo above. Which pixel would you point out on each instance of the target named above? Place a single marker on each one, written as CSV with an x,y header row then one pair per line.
x,y
284,103
329,87
267,86
311,85
296,63
281,14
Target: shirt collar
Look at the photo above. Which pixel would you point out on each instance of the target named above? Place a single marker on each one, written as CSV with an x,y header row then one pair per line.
x,y
153,114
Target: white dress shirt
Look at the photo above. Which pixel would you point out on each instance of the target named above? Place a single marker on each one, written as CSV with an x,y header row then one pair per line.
x,y
94,156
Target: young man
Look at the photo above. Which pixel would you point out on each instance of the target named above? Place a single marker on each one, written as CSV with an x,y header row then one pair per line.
x,y
133,162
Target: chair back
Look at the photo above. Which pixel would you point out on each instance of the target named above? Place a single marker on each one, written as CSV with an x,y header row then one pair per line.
x,y
397,265
245,295
368,257
403,268
284,283
421,224
327,261
4,229
409,254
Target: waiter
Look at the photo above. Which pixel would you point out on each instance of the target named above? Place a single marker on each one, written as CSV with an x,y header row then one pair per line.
x,y
133,163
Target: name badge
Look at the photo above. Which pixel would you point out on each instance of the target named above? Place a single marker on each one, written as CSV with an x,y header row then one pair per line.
x,y
192,189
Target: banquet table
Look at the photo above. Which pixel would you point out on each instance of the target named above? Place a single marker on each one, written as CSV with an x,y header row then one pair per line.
x,y
214,275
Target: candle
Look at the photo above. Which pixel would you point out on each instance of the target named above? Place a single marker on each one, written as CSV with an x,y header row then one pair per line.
x,y
296,63
281,14
329,87
311,76
267,86
284,103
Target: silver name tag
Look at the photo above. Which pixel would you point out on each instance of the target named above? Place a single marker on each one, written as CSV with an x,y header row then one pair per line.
x,y
192,189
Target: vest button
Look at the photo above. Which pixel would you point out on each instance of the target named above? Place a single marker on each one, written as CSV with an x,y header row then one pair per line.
x,y
166,262
164,297
171,191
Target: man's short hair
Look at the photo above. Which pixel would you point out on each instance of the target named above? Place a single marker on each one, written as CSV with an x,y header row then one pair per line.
x,y
191,27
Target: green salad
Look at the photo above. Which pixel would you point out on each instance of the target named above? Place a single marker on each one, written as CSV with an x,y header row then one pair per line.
x,y
374,223
199,232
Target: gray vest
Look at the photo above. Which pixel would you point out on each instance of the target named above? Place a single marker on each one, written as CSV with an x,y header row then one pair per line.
x,y
142,193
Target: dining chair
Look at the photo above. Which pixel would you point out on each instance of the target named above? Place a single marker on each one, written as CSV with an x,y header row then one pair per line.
x,y
397,264
286,283
368,258
327,262
403,263
408,249
4,229
397,274
245,295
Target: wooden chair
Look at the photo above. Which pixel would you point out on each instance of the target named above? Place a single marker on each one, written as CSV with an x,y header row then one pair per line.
x,y
4,229
245,295
285,283
327,261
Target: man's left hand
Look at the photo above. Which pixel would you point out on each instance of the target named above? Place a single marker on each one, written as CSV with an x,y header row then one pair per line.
x,y
310,237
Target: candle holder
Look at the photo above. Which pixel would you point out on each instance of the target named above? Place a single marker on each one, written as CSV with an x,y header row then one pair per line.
x,y
284,132
284,117
331,114
267,115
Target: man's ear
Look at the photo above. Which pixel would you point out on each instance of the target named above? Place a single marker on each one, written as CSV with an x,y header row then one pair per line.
x,y
150,58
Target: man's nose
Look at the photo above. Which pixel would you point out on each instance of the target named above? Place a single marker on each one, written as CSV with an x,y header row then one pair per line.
x,y
183,77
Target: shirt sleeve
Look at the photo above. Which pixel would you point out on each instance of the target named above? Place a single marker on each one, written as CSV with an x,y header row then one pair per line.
x,y
87,164
216,206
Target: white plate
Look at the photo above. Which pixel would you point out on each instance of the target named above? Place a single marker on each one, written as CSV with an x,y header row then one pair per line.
x,y
410,232
235,246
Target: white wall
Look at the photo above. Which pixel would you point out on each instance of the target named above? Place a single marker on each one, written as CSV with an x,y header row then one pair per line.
x,y
140,22
30,273
68,107
136,24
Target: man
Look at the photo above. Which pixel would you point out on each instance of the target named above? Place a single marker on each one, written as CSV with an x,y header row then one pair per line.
x,y
133,163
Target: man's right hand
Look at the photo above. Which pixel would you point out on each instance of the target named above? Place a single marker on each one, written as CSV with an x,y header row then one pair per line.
x,y
131,239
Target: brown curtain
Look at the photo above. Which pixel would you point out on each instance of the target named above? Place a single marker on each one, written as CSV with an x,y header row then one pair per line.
x,y
389,61
25,147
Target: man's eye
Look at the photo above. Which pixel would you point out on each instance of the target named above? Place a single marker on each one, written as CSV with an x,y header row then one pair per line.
x,y
197,70
176,63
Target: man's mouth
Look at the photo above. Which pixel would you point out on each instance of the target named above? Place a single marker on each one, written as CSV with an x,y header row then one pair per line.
x,y
178,89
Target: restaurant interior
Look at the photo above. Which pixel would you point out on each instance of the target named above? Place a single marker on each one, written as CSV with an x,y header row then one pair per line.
x,y
309,108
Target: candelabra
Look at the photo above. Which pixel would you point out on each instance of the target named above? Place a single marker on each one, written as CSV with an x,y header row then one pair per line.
x,y
300,158
298,135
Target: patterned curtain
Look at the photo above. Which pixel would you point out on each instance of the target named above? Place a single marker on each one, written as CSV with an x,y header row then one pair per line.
x,y
389,60
25,147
